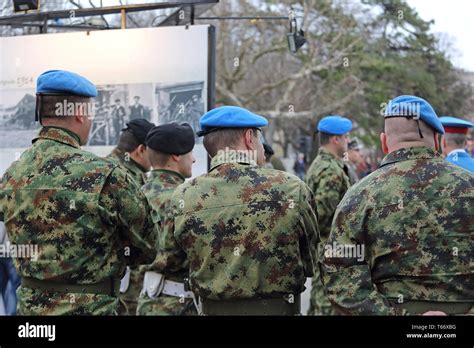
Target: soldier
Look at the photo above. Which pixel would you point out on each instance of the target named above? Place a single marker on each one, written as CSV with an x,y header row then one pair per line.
x,y
455,142
130,154
137,110
401,239
354,158
118,117
70,204
250,233
169,148
131,149
329,180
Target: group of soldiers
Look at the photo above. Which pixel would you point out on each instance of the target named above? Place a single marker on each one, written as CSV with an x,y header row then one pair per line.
x,y
243,238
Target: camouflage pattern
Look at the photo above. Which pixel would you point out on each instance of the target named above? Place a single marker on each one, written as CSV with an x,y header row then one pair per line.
x,y
165,305
84,214
137,172
328,178
249,232
170,260
415,218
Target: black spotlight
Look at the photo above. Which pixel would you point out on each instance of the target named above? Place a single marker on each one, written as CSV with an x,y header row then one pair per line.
x,y
295,37
25,5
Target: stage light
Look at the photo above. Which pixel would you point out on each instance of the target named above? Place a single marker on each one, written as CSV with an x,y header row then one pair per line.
x,y
295,37
25,5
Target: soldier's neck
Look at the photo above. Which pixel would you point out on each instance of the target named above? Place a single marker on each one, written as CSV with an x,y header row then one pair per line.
x,y
332,151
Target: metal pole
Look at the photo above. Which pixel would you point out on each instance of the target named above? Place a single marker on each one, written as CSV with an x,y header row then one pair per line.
x,y
44,28
192,15
123,21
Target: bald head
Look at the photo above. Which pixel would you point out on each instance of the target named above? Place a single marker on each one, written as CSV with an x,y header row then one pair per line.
x,y
401,132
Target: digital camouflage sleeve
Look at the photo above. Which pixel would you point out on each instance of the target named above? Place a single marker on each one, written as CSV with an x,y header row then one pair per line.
x,y
171,260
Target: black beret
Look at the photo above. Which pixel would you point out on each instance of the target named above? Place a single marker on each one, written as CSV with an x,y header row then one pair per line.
x,y
171,138
354,145
139,128
268,150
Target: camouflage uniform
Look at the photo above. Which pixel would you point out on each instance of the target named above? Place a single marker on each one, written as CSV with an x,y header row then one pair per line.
x,y
171,260
328,179
137,172
84,214
415,218
249,232
133,168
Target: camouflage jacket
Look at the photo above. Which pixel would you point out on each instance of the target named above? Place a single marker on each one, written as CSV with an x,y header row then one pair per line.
x,y
137,173
414,217
248,231
133,168
82,211
328,179
170,260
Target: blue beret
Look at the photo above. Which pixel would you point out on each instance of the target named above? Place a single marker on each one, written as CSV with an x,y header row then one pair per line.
x,y
229,117
61,81
416,107
335,125
449,121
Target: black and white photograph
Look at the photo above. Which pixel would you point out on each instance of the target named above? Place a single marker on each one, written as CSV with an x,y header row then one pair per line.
x,y
115,106
181,102
17,127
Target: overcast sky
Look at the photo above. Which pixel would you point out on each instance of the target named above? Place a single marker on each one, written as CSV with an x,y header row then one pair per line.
x,y
456,19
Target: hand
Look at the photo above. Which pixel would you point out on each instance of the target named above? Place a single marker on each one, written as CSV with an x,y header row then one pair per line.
x,y
435,313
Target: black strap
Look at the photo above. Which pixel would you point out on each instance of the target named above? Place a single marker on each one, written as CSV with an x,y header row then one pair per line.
x,y
408,117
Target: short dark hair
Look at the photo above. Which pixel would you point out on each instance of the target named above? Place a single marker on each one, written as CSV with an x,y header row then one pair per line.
x,y
157,158
455,139
127,142
226,137
324,138
48,104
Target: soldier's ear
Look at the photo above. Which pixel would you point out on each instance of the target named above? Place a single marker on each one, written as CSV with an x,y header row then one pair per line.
x,y
79,118
383,141
249,138
142,148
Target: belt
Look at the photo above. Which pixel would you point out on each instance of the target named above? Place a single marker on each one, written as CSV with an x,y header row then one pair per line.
x,y
176,289
156,284
269,306
108,287
420,307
